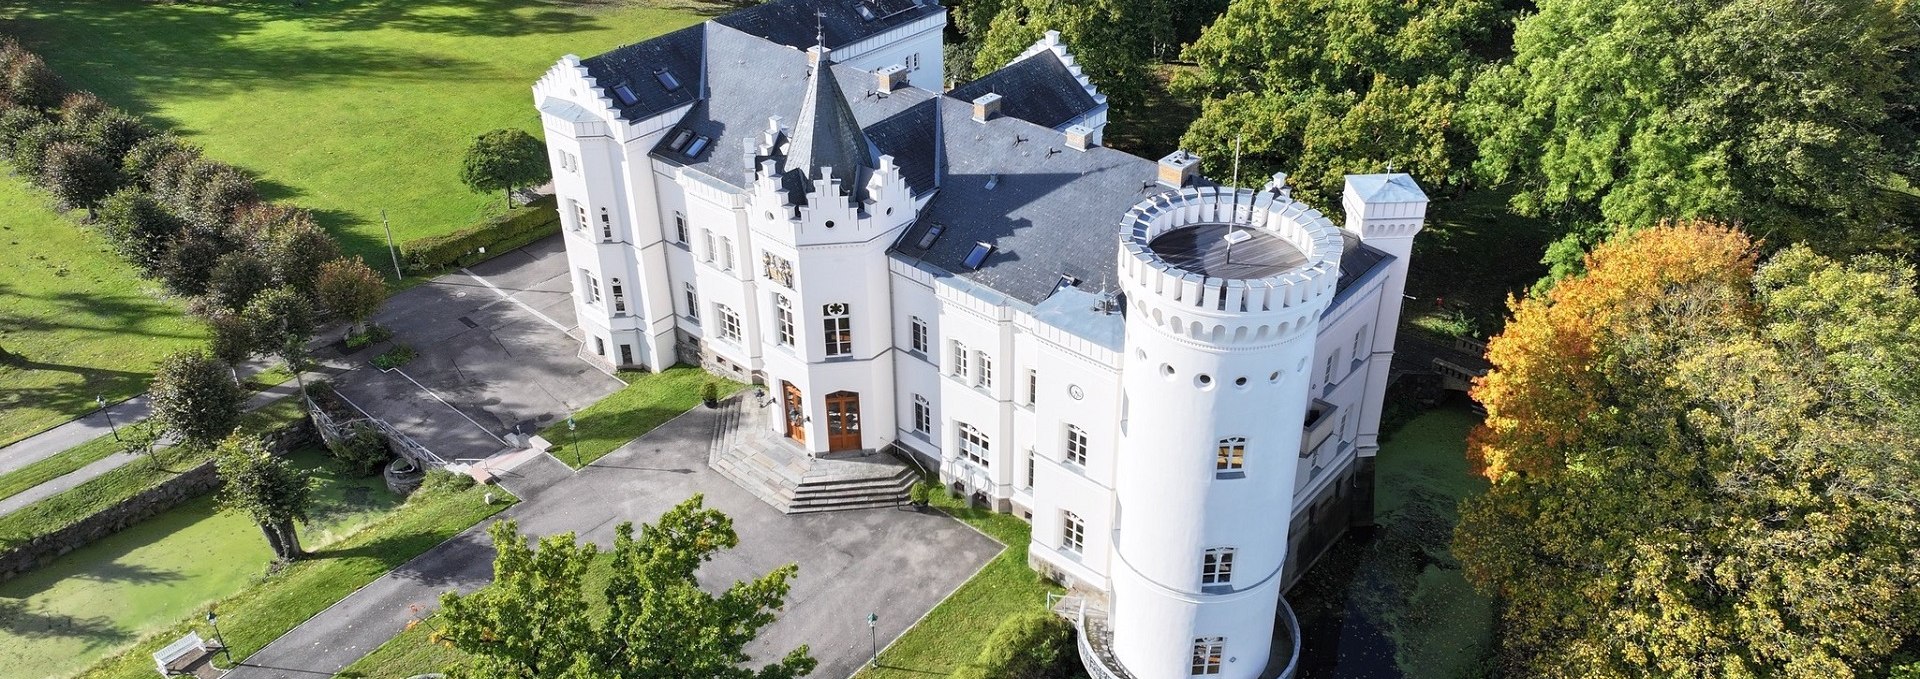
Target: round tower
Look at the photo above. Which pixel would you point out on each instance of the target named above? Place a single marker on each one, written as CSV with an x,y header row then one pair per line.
x,y
1224,290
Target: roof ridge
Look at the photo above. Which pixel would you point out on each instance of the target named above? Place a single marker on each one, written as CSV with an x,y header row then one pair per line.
x,y
826,135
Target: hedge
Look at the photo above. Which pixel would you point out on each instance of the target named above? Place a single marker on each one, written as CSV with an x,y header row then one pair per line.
x,y
516,228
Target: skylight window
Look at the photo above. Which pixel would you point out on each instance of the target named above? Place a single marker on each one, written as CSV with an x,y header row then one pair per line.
x,y
933,233
865,12
625,92
666,79
699,144
680,140
979,255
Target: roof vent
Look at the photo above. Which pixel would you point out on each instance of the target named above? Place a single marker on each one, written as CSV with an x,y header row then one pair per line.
x,y
993,180
666,79
625,93
979,255
933,234
986,107
1179,169
891,78
1079,137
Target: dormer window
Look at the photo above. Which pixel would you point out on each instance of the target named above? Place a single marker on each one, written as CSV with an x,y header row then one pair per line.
x,y
680,140
666,79
625,93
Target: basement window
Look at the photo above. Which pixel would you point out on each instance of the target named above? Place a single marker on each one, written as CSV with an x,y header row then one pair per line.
x,y
979,255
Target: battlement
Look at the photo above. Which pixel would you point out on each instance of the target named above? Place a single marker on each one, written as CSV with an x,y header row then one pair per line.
x,y
1228,255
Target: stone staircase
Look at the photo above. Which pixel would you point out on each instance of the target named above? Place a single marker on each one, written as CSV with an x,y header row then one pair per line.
x,y
782,474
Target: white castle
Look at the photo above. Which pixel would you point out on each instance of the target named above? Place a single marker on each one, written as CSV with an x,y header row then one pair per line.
x,y
1177,383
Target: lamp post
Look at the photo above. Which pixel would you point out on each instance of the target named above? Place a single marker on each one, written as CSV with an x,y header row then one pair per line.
x,y
873,637
574,430
102,402
214,620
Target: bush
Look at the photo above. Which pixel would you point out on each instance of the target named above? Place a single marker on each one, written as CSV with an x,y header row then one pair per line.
x,y
374,335
31,83
363,449
1034,644
440,481
920,494
297,250
188,263
80,108
78,175
29,151
115,133
15,121
395,357
139,229
517,228
142,165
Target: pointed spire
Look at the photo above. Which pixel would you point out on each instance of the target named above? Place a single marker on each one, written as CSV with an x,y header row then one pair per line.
x,y
826,137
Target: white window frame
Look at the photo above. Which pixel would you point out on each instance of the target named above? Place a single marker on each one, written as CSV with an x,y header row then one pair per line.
x,y
973,445
922,414
1207,655
836,329
619,296
579,215
917,335
726,254
1075,448
729,321
960,360
984,376
1073,533
679,227
1033,386
1216,567
592,284
1230,458
783,320
693,302
712,248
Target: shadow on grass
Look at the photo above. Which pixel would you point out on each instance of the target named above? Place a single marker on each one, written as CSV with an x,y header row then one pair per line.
x,y
19,621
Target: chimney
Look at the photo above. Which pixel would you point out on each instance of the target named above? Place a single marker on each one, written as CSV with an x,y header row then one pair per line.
x,y
1080,137
986,107
891,78
1179,169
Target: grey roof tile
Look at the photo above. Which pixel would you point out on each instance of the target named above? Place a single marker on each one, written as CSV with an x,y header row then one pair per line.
x,y
646,69
1038,89
826,137
794,23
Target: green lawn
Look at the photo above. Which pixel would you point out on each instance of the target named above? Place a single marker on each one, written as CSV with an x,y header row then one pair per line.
x,y
347,107
953,632
262,610
648,400
59,511
58,619
83,322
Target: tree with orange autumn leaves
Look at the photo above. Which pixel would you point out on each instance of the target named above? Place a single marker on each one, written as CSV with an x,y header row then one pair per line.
x,y
1703,466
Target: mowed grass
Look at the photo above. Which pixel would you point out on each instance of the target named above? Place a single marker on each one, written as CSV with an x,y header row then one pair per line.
x,y
648,401
952,634
347,107
265,609
83,323
58,619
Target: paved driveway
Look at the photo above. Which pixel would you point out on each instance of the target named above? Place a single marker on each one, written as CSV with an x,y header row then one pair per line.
x,y
496,350
895,562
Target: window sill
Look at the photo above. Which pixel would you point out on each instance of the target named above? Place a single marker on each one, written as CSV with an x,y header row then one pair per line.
x,y
1230,475
1216,589
695,320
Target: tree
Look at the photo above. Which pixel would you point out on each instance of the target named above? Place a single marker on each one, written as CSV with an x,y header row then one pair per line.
x,y
1700,468
503,160
1789,117
267,489
1104,37
1323,88
192,252
194,395
231,339
30,82
79,175
282,321
139,229
141,438
535,619
296,252
1029,645
237,278
350,290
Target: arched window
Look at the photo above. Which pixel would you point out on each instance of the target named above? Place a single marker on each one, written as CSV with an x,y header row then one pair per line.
x,y
1073,532
838,321
783,319
974,446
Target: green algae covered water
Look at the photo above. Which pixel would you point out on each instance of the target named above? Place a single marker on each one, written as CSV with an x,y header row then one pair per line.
x,y
1390,602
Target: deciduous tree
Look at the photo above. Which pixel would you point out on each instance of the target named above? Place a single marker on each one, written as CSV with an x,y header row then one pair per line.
x,y
139,229
297,251
351,291
230,338
237,278
1104,36
267,489
1700,469
535,619
79,175
503,160
283,321
194,395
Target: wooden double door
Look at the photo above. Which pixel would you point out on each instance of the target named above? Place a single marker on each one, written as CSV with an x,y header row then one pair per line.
x,y
843,417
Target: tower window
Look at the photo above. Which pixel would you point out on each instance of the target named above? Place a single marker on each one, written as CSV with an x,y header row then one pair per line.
x,y
679,227
1216,567
579,215
726,254
1030,465
974,445
1207,652
1332,361
838,322
606,225
1073,532
619,296
922,415
693,303
729,322
1231,458
1076,445
783,319
592,286
1033,386
917,335
713,249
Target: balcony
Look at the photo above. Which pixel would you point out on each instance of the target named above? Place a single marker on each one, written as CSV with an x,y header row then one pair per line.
x,y
1095,640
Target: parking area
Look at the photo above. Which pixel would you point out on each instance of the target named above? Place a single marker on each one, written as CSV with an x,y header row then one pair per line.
x,y
496,353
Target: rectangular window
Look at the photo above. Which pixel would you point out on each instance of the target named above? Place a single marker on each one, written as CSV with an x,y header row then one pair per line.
x,y
619,296
606,225
1207,652
1216,567
1358,338
726,254
1076,445
599,346
1030,467
579,215
1033,386
913,61
776,269
985,379
729,322
1073,532
1331,362
679,227
693,303
973,445
713,249
838,321
592,286
783,319
917,335
1232,456
960,358
922,414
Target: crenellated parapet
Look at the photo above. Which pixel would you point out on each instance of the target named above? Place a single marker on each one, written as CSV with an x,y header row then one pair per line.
x,y
1237,267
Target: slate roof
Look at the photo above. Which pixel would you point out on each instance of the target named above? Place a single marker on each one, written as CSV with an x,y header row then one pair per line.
x,y
1038,89
911,137
826,137
1387,188
640,67
793,22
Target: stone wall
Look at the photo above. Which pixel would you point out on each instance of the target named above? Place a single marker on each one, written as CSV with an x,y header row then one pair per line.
x,y
169,494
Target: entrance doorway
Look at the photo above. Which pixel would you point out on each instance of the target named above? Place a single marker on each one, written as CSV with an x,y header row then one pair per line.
x,y
843,421
796,412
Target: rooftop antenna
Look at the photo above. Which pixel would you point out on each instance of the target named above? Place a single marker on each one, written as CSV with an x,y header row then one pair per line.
x,y
1233,227
820,28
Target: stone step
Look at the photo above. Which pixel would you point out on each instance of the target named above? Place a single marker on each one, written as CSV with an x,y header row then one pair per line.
x,y
873,504
891,484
